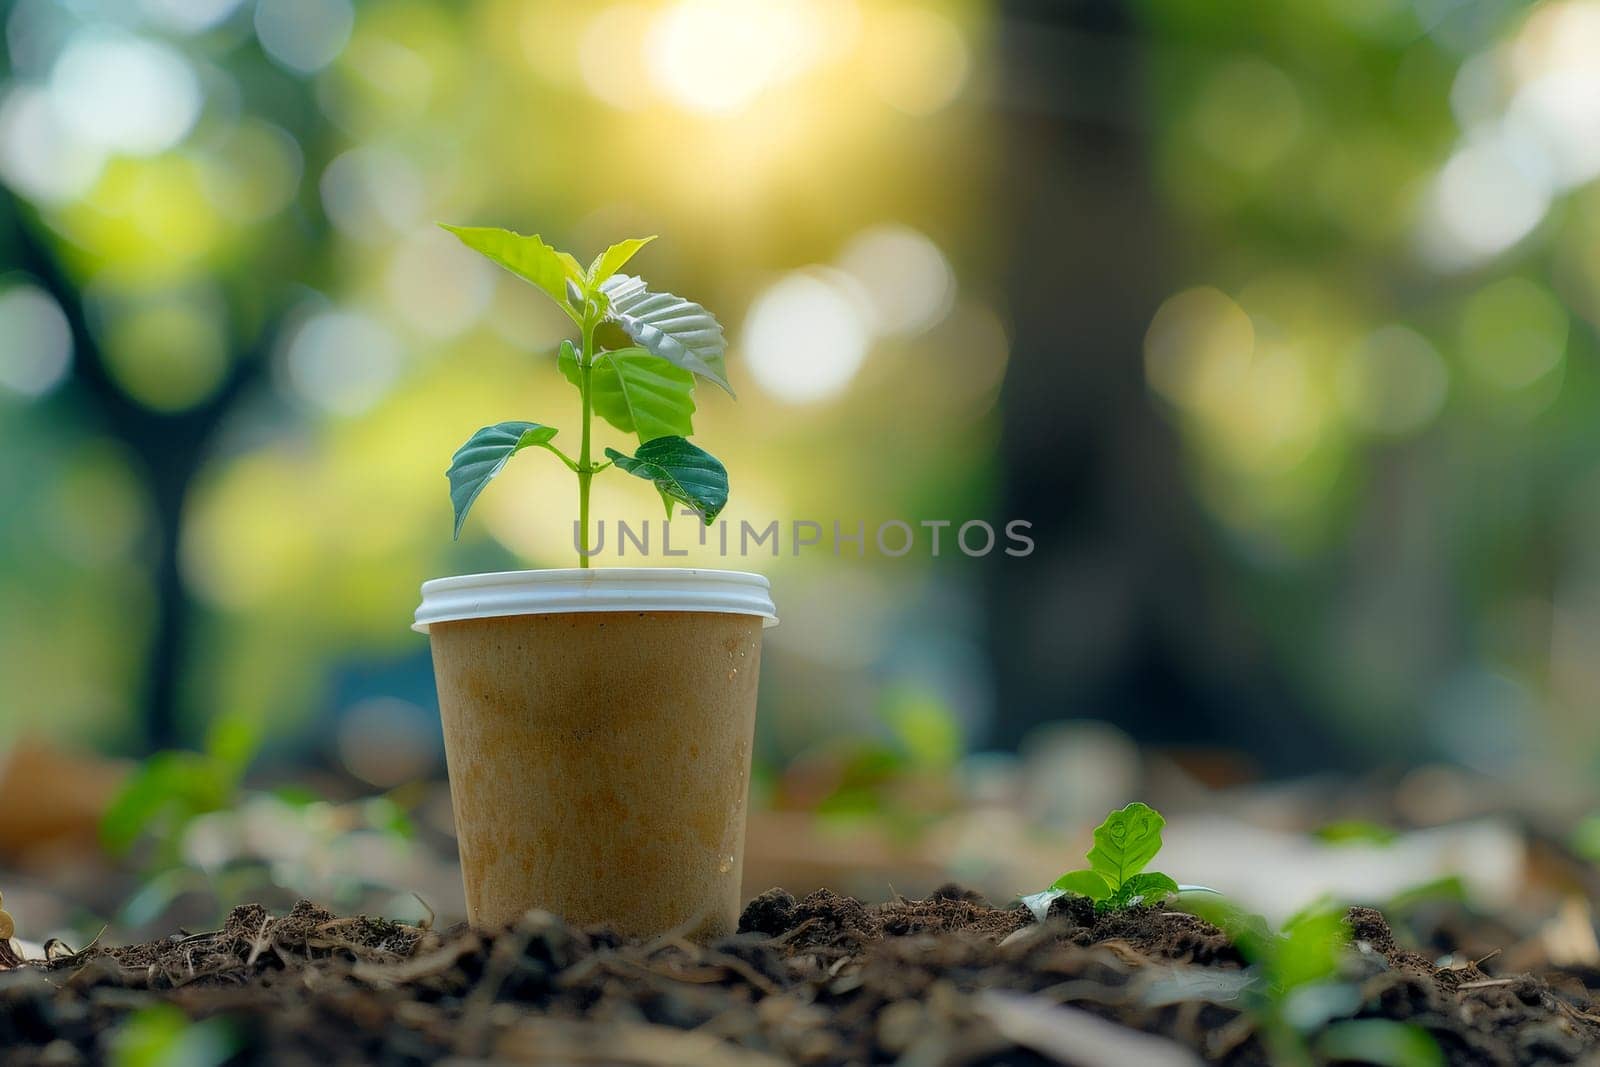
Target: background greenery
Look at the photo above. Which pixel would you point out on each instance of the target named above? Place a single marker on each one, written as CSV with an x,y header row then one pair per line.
x,y
1276,320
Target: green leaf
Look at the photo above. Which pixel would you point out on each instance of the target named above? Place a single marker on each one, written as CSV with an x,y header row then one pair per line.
x,y
1249,932
1125,842
163,1034
1310,949
233,740
636,392
167,790
1380,1041
527,257
483,457
1451,888
679,331
615,258
1356,831
1084,883
681,471
1147,888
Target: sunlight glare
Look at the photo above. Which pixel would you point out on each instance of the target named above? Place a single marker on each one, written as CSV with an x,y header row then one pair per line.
x,y
716,56
906,277
806,336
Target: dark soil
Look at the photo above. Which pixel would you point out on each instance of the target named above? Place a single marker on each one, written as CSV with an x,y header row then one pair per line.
x,y
824,980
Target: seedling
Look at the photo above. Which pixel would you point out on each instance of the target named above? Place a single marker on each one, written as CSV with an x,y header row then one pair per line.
x,y
1296,999
635,364
1116,877
174,793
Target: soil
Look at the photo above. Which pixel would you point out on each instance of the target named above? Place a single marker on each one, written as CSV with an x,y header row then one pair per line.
x,y
825,980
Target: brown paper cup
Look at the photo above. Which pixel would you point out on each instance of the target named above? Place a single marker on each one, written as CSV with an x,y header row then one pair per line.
x,y
600,764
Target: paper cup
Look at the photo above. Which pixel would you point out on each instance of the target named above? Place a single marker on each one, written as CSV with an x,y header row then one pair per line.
x,y
598,728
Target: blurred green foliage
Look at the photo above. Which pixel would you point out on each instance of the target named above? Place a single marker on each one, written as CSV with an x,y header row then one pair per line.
x,y
1377,346
169,790
163,1036
191,824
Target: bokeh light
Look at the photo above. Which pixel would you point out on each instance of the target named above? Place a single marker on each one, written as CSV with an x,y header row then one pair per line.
x,y
1513,332
253,172
1489,195
40,155
341,361
169,352
1248,114
1197,347
927,65
436,285
188,16
372,192
1393,382
806,335
1557,96
387,742
907,280
35,341
611,55
304,35
715,56
124,93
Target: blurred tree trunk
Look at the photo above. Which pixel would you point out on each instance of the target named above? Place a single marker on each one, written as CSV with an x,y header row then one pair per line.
x,y
1111,617
170,449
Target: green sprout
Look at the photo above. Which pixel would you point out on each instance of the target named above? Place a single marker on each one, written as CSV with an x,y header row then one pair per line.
x,y
1296,998
634,365
1116,877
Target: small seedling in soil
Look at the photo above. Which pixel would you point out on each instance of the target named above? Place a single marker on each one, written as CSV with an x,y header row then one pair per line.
x,y
1298,998
1116,877
634,365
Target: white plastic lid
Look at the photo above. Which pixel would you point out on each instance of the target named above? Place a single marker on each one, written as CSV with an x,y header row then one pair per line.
x,y
551,592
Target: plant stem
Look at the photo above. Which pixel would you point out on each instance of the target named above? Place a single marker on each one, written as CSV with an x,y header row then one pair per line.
x,y
585,463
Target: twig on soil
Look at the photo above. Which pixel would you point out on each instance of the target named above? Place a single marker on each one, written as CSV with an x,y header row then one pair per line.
x,y
740,968
1079,990
59,955
674,936
750,975
1576,1013
792,933
418,967
261,943
425,924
